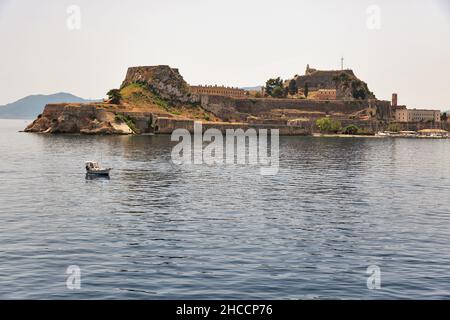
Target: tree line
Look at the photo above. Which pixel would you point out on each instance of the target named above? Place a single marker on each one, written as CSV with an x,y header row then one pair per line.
x,y
275,88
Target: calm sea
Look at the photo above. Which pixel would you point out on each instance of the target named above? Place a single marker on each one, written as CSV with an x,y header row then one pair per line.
x,y
159,231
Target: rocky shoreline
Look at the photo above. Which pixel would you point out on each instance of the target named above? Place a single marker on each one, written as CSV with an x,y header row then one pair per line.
x,y
78,118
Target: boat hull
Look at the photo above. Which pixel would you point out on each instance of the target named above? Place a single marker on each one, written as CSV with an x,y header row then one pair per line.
x,y
102,172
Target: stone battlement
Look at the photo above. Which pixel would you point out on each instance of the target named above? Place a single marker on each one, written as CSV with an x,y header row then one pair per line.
x,y
218,90
240,108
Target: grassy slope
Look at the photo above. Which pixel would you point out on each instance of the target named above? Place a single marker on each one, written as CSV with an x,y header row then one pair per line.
x,y
138,98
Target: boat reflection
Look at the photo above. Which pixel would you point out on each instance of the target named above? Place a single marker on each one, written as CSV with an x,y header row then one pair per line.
x,y
97,177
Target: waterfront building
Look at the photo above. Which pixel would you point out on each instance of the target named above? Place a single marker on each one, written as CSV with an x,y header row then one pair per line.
x,y
402,114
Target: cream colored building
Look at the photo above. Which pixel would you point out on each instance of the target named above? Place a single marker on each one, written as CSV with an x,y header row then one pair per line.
x,y
417,115
218,90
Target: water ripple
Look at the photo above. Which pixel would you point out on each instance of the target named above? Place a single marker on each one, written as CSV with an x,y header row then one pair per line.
x,y
158,231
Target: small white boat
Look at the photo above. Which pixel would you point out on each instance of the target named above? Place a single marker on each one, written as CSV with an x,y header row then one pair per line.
x,y
93,168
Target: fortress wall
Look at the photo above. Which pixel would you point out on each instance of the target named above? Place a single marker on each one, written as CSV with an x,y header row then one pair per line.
x,y
228,107
255,106
70,110
67,107
168,125
74,118
84,108
143,121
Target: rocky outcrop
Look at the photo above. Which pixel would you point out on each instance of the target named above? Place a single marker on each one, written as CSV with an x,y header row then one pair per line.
x,y
164,81
160,90
347,85
78,118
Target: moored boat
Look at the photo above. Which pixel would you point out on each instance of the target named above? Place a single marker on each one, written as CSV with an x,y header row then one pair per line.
x,y
93,168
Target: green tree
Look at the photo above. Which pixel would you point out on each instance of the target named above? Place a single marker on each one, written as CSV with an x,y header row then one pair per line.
x,y
444,117
114,96
293,88
394,127
306,90
328,125
278,92
360,90
359,93
272,84
351,129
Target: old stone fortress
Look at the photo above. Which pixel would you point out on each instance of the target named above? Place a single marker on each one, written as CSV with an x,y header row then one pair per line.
x,y
157,99
322,89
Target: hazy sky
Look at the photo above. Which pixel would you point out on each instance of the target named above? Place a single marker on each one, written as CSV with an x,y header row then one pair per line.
x,y
233,42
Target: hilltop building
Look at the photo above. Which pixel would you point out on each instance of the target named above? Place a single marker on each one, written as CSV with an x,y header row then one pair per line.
x,y
332,85
325,94
320,79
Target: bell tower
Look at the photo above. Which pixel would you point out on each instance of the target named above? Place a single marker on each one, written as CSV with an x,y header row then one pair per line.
x,y
394,102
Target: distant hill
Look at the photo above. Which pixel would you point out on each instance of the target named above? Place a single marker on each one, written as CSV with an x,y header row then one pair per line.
x,y
257,88
31,106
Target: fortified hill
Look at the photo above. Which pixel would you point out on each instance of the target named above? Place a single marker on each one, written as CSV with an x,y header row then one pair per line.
x,y
157,99
345,82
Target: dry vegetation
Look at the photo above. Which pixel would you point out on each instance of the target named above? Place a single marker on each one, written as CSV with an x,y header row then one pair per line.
x,y
137,97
